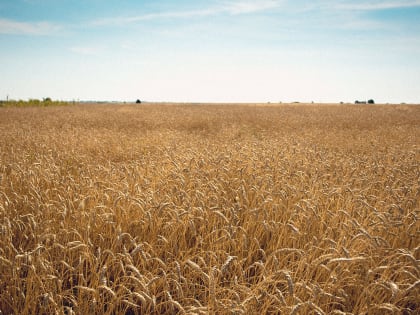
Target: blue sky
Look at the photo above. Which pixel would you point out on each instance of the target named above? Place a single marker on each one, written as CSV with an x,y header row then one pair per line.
x,y
211,51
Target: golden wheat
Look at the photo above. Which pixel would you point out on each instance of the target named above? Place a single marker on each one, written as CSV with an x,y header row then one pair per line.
x,y
210,209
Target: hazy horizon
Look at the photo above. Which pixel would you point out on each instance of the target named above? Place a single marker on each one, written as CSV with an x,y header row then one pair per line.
x,y
211,51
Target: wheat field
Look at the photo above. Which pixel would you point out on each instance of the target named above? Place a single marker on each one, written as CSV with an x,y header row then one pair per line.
x,y
210,209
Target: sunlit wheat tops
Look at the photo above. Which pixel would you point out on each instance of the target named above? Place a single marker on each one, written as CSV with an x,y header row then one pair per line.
x,y
209,209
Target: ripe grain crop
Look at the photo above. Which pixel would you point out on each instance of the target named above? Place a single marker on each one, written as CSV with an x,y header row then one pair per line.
x,y
210,209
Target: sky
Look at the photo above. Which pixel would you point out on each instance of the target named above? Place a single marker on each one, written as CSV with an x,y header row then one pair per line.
x,y
211,51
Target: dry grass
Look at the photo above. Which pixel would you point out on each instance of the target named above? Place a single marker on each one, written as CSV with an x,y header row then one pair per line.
x,y
210,209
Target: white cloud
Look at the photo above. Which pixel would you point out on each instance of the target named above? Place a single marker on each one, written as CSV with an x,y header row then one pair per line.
x,y
154,16
378,5
231,7
246,7
8,26
85,50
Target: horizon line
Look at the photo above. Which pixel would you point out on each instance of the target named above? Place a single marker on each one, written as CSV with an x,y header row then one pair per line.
x,y
91,101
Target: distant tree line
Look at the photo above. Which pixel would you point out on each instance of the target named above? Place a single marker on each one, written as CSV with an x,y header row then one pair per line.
x,y
47,101
371,101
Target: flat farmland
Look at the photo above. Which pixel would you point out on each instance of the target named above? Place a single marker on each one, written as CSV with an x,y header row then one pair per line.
x,y
210,209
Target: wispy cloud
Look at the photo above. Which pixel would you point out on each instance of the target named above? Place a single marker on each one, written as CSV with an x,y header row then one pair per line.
x,y
154,16
246,7
86,50
378,5
228,7
352,15
8,26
